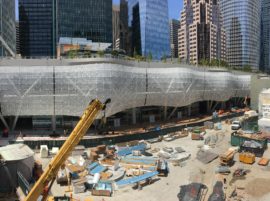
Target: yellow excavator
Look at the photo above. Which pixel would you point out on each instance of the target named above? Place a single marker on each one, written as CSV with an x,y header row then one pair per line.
x,y
44,183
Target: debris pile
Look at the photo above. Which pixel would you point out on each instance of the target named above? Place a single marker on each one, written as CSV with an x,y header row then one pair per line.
x,y
192,192
104,169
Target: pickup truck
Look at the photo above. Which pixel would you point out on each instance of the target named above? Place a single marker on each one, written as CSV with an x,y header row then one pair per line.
x,y
236,125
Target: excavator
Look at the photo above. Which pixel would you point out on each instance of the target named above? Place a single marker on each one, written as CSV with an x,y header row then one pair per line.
x,y
43,185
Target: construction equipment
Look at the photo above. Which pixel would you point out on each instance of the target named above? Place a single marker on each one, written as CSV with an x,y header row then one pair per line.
x,y
43,185
162,167
247,158
226,159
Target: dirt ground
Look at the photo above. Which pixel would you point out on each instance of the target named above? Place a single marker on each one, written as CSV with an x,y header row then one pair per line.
x,y
254,186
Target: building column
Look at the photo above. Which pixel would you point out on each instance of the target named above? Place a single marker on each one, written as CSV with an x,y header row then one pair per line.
x,y
134,116
223,105
189,110
54,124
208,105
165,113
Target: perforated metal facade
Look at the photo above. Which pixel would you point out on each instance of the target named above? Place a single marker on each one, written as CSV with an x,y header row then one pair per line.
x,y
31,88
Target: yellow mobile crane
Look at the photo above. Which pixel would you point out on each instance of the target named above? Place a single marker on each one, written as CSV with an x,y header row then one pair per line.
x,y
44,183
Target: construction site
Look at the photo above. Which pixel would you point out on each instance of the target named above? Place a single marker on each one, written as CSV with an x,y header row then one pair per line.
x,y
112,130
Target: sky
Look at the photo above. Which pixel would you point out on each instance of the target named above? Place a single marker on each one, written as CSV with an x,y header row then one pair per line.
x,y
175,6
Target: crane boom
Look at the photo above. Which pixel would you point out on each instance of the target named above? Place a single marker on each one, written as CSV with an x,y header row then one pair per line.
x,y
77,134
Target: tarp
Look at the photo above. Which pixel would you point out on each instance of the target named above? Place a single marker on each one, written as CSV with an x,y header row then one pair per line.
x,y
98,169
206,156
191,192
92,166
136,179
128,150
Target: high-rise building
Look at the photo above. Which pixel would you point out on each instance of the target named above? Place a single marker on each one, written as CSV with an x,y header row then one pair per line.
x,y
242,24
42,24
265,36
174,26
149,22
37,28
90,19
7,28
201,35
116,27
124,30
120,26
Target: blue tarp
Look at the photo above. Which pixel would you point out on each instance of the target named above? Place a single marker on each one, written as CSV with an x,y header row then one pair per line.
x,y
136,179
98,169
128,150
92,166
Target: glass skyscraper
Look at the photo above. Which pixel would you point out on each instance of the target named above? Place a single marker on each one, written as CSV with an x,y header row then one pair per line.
x,y
149,22
91,19
242,25
7,28
265,36
37,28
43,22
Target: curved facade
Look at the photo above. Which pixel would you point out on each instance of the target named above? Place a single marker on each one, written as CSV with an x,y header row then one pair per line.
x,y
242,24
65,88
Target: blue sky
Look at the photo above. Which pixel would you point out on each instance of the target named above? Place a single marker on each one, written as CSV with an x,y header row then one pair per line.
x,y
175,6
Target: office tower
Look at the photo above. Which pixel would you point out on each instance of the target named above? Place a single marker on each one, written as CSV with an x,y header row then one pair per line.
x,y
120,26
201,35
37,28
90,19
42,24
124,30
7,28
174,26
265,36
242,24
116,27
149,22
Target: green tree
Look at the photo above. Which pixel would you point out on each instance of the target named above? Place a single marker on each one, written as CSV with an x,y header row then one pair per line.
x,y
72,54
214,62
100,53
115,53
135,53
164,58
247,68
224,63
150,57
204,62
87,54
